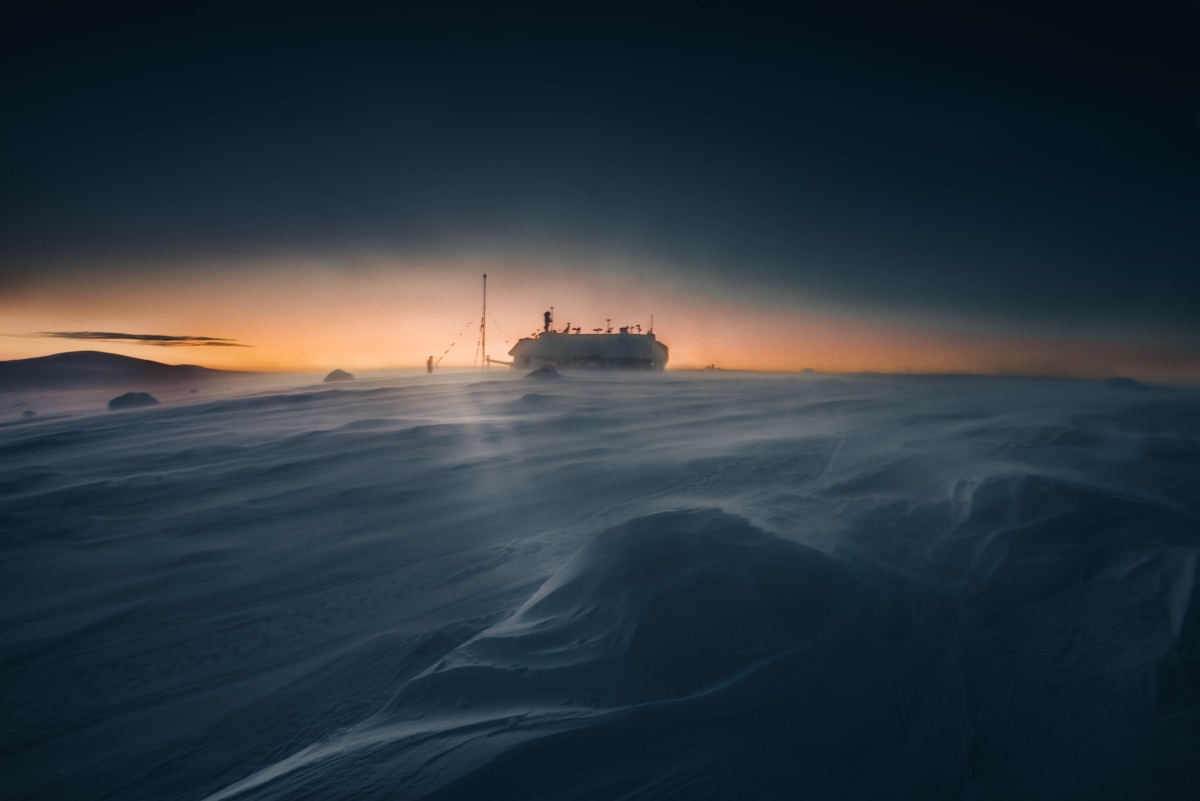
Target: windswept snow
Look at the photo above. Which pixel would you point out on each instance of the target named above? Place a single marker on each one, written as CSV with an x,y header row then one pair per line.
x,y
620,586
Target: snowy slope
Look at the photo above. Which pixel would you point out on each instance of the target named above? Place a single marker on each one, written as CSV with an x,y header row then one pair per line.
x,y
668,586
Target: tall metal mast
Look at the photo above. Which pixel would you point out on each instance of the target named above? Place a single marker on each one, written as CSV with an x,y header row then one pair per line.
x,y
483,324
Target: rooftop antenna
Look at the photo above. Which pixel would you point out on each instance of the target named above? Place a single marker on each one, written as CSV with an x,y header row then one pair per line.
x,y
483,324
651,331
609,321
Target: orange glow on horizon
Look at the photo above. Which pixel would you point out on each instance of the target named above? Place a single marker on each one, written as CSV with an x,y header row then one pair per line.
x,y
314,318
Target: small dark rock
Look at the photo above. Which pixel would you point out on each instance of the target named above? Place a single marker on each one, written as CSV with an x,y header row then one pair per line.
x,y
29,413
339,375
132,400
191,392
545,371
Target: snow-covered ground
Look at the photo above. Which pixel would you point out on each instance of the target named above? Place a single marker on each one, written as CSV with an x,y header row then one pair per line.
x,y
619,586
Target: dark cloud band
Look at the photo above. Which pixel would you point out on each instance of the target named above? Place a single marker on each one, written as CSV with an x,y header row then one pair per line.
x,y
160,340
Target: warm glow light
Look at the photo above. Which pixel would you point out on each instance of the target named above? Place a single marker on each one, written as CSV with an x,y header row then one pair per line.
x,y
380,315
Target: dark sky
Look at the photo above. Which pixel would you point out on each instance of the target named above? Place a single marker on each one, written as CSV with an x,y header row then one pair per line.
x,y
1012,171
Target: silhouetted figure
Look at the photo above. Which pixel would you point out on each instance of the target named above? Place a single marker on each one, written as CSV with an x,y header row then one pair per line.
x,y
546,321
429,366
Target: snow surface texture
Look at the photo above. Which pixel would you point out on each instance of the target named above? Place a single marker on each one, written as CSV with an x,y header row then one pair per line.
x,y
623,586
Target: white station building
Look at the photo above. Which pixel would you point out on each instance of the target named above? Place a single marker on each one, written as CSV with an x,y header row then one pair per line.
x,y
622,350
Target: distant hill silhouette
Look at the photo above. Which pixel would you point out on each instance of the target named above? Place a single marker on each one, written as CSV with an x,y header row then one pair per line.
x,y
84,369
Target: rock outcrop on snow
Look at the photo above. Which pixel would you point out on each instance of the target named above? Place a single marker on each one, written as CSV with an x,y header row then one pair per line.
x,y
132,400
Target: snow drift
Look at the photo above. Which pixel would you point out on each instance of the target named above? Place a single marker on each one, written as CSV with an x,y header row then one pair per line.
x,y
672,586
